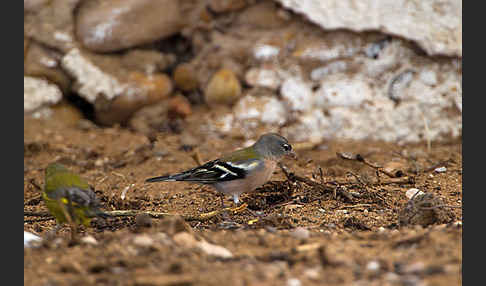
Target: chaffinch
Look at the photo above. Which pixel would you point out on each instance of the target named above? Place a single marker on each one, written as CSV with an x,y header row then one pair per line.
x,y
242,171
66,192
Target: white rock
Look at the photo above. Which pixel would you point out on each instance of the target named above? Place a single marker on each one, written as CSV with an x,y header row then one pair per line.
x,y
29,238
263,77
411,192
265,109
428,76
342,91
265,52
38,93
297,94
435,25
92,80
398,96
328,48
311,126
214,250
331,68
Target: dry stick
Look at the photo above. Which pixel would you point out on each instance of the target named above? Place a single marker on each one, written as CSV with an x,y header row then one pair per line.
x,y
361,159
33,183
38,220
39,214
294,178
121,213
200,217
33,201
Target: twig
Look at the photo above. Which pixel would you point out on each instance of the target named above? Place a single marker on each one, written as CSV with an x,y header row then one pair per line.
x,y
33,183
361,159
39,214
33,201
119,175
136,212
38,220
200,217
356,206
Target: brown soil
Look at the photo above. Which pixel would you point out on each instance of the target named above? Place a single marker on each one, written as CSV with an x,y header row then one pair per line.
x,y
354,238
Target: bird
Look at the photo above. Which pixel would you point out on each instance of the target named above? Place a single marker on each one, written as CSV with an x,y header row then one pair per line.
x,y
238,172
69,198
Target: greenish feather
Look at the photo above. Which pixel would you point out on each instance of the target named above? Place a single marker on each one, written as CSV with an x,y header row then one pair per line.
x,y
241,155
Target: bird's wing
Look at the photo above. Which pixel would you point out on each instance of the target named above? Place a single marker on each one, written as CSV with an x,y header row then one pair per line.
x,y
76,196
218,171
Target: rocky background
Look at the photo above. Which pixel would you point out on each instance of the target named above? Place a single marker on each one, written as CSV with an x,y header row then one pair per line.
x,y
312,70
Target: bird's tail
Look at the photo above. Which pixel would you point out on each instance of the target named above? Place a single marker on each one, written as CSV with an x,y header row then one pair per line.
x,y
168,178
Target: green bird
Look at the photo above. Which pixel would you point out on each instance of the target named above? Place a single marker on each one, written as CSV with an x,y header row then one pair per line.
x,y
69,197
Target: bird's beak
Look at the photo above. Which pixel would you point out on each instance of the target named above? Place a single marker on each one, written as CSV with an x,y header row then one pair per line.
x,y
292,155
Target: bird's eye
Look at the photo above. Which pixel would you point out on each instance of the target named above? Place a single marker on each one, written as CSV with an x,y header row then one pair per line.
x,y
287,147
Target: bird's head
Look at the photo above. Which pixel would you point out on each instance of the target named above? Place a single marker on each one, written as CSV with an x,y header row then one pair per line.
x,y
273,145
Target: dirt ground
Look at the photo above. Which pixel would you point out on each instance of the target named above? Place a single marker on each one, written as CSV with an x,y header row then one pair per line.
x,y
341,226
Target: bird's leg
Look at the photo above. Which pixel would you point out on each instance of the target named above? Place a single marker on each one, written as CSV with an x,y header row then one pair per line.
x,y
222,200
69,216
223,208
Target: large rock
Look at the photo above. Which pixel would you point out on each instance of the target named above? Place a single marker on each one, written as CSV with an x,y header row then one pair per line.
x,y
106,26
39,93
342,84
435,25
42,62
50,22
115,91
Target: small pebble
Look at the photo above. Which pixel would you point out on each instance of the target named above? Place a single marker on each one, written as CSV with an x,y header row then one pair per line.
x,y
312,273
214,250
300,233
30,239
143,240
458,223
440,170
294,282
414,268
373,266
185,239
411,192
163,238
89,240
